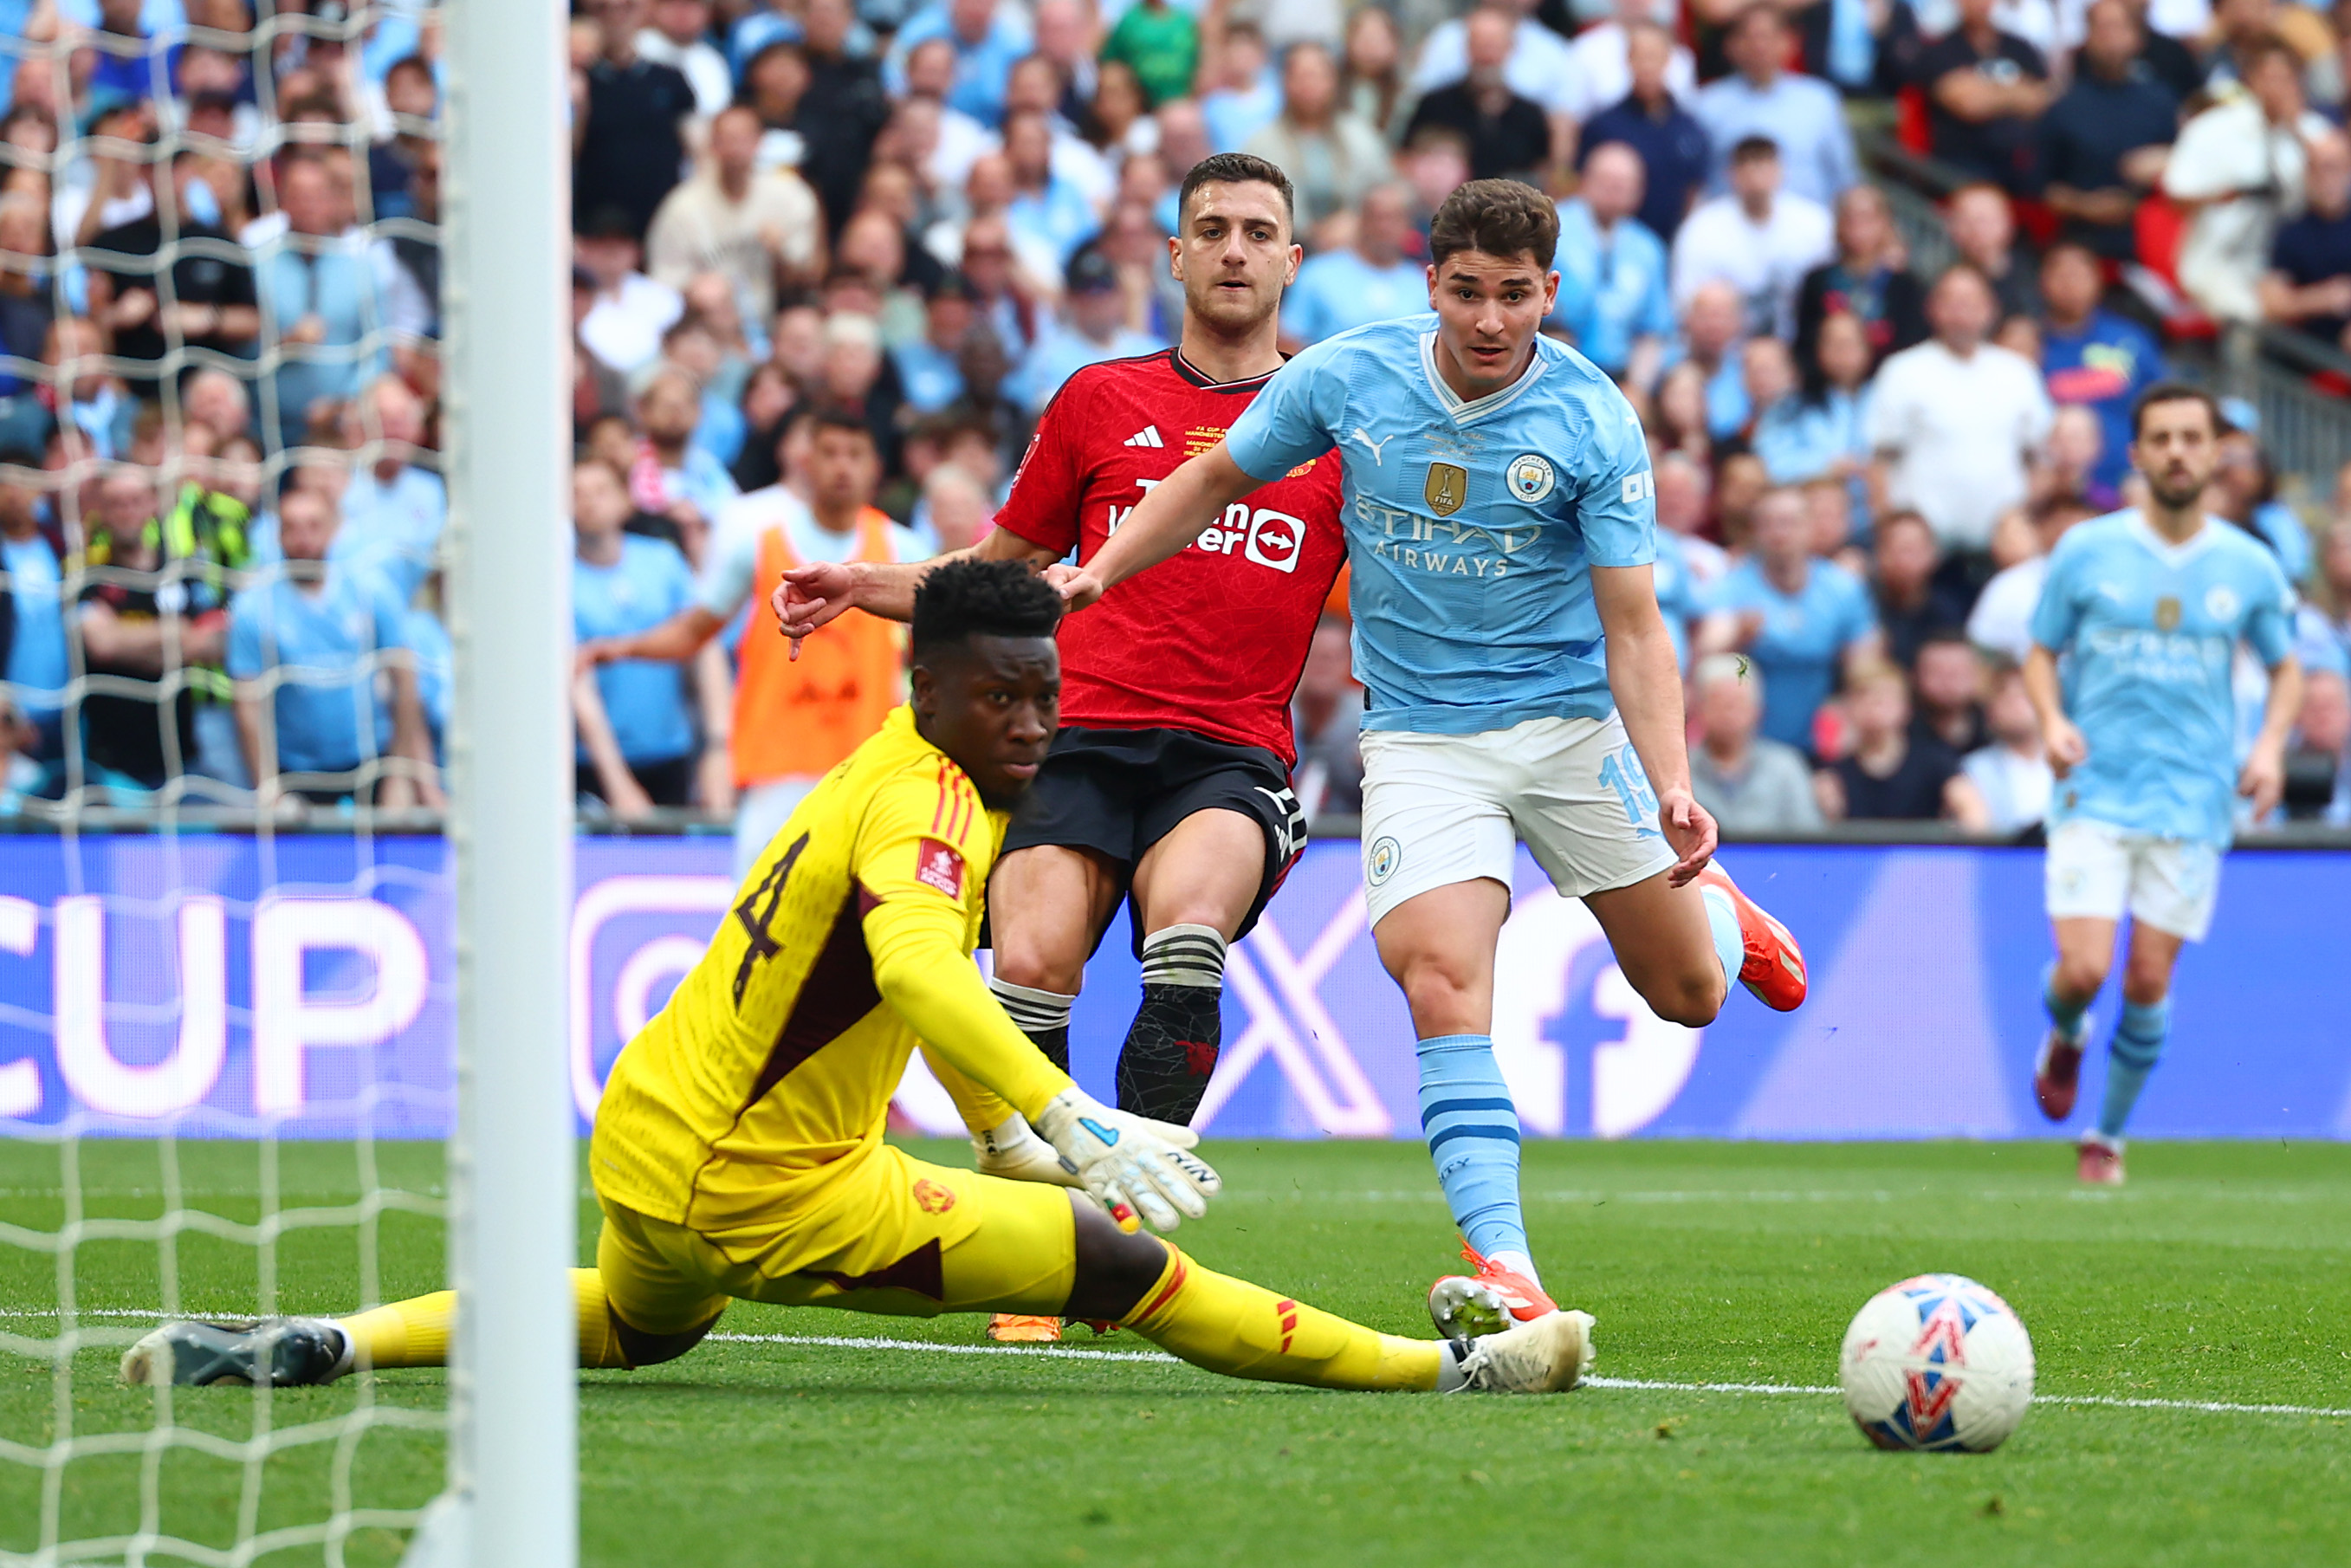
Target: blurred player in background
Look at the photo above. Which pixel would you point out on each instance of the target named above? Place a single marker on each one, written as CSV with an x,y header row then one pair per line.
x,y
738,1152
1170,782
1521,681
2146,606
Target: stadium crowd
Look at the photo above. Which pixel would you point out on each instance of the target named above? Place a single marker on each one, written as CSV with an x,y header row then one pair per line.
x,y
832,257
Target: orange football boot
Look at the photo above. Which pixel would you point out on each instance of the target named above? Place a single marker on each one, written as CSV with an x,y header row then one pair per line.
x,y
1775,970
1495,1298
1024,1328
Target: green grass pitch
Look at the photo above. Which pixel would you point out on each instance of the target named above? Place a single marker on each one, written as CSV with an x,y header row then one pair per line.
x,y
2221,1274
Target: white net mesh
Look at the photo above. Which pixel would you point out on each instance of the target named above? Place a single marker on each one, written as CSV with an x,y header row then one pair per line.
x,y
226,1003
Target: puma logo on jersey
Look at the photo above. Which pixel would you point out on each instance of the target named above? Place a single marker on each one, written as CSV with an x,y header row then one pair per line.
x,y
1147,436
1372,446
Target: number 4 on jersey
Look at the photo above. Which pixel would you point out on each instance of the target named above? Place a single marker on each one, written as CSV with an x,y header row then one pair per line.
x,y
755,925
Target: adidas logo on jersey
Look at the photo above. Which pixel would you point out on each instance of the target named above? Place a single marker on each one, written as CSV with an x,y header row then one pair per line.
x,y
1147,436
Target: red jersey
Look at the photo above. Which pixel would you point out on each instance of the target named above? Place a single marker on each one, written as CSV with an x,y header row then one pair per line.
x,y
1212,640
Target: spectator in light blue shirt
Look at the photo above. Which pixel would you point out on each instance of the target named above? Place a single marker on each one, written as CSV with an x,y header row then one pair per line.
x,y
1046,208
318,301
1712,324
1370,282
1612,283
1803,619
392,510
1247,98
35,661
1092,332
307,644
636,730
1824,429
671,473
930,371
1804,115
987,35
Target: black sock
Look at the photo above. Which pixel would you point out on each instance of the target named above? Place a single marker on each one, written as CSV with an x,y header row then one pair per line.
x,y
1171,1048
1042,1016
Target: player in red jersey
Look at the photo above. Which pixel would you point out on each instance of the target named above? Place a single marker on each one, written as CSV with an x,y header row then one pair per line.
x,y
1169,781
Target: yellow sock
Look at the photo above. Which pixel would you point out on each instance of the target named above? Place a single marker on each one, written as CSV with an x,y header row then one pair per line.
x,y
415,1332
1242,1330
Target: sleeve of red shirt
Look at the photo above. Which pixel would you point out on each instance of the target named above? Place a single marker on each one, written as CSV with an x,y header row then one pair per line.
x,y
1048,485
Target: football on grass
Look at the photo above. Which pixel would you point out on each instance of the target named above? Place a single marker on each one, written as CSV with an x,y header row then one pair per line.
x,y
1938,1363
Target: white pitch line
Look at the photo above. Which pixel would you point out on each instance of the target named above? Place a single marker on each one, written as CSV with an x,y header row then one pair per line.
x,y
853,1341
1634,1385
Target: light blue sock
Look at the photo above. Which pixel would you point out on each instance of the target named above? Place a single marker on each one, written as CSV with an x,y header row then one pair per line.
x,y
1722,920
1473,1135
2065,1015
2130,1057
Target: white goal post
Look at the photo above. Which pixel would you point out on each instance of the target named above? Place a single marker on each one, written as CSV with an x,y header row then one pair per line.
x,y
513,1452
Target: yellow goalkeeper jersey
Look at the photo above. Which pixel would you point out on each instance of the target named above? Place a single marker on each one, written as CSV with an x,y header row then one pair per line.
x,y
771,1072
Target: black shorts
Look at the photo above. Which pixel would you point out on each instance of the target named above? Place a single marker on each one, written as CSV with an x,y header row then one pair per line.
x,y
1118,791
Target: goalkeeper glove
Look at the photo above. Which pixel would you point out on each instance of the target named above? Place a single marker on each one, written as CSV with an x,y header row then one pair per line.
x,y
1130,1164
1014,1151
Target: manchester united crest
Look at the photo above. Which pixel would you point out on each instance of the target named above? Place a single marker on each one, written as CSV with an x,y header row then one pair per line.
x,y
1447,488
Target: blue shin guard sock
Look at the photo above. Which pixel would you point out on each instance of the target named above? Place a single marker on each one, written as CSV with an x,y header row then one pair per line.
x,y
2130,1058
1473,1135
2065,1016
1722,923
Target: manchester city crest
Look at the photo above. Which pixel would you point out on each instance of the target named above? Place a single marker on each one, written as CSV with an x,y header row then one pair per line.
x,y
1529,477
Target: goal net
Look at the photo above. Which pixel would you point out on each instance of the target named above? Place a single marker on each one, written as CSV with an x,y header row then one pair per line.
x,y
229,938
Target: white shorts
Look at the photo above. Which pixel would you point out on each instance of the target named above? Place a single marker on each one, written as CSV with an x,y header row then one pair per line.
x,y
1442,809
2097,871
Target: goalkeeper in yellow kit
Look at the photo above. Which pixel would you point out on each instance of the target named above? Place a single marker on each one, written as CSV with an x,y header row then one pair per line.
x,y
738,1151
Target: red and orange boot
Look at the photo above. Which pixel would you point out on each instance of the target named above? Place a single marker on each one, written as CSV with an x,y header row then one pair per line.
x,y
1466,1306
1775,970
1024,1328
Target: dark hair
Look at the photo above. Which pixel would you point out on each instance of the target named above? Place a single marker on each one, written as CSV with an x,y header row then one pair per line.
x,y
1499,217
1906,515
2177,392
1234,169
1750,149
967,599
840,419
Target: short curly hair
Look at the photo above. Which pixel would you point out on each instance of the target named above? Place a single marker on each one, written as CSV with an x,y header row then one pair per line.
x,y
967,599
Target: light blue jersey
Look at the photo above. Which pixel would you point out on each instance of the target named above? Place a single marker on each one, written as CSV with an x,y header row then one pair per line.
x,y
1805,638
323,644
1472,527
2150,629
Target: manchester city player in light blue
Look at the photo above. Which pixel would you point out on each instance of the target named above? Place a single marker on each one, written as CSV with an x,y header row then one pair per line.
x,y
2146,608
1501,525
